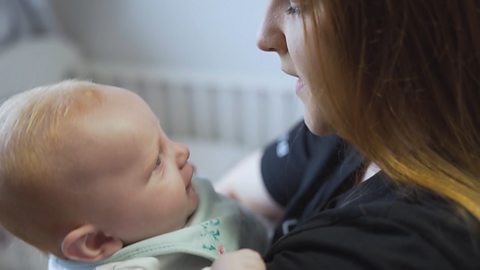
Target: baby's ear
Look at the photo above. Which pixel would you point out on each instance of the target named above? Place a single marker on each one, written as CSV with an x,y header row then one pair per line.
x,y
87,243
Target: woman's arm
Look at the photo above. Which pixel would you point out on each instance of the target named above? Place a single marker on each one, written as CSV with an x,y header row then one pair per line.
x,y
244,184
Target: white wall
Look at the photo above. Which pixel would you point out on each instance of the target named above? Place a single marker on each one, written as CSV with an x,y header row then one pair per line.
x,y
194,34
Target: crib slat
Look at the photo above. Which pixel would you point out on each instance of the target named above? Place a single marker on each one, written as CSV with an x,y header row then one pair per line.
x,y
239,109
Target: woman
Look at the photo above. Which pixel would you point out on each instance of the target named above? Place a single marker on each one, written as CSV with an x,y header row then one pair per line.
x,y
397,80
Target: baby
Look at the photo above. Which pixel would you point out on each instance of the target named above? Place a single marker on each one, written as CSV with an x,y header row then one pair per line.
x,y
88,175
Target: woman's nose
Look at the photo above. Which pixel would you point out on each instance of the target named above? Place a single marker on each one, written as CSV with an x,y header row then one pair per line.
x,y
270,37
182,153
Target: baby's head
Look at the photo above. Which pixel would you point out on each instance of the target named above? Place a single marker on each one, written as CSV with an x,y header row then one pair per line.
x,y
86,169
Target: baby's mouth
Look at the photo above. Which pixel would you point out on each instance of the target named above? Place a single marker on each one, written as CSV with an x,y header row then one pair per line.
x,y
188,177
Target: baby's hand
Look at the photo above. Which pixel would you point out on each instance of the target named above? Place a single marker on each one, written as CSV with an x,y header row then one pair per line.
x,y
239,260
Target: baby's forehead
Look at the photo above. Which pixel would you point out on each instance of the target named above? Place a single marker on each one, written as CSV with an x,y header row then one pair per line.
x,y
123,129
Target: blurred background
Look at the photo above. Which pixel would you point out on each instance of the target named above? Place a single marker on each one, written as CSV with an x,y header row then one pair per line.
x,y
195,63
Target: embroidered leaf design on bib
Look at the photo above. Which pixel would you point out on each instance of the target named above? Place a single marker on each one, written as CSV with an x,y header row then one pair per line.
x,y
211,233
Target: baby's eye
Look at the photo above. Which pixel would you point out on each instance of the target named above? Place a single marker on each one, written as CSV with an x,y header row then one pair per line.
x,y
158,162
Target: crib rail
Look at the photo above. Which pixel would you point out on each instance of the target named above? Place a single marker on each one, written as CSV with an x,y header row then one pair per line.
x,y
211,106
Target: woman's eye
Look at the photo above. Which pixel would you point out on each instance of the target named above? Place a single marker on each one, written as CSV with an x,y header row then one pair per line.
x,y
291,10
158,162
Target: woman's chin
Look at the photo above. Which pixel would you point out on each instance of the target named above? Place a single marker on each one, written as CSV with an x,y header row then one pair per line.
x,y
314,117
318,127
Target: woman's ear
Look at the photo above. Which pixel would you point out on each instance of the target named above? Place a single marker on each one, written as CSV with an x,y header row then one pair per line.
x,y
87,243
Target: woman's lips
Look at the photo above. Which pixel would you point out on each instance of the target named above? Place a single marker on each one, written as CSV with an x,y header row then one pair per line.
x,y
300,86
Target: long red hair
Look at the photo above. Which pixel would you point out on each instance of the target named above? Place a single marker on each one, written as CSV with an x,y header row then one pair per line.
x,y
400,80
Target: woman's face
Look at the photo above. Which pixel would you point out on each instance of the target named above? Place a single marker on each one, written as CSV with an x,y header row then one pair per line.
x,y
283,32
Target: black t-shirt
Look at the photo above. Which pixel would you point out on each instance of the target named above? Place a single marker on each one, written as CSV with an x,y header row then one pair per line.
x,y
331,223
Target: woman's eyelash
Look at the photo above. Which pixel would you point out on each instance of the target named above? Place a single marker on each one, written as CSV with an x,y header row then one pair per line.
x,y
292,10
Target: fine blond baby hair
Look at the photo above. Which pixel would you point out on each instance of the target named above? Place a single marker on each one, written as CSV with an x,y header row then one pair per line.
x,y
35,164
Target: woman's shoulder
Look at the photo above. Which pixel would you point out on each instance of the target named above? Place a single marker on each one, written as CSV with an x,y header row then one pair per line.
x,y
383,229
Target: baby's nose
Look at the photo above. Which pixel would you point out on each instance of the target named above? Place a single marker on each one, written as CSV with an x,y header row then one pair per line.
x,y
182,154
